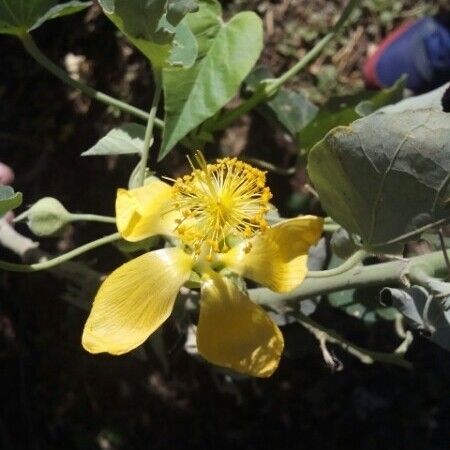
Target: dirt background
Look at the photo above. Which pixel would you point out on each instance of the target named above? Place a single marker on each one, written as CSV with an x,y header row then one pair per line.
x,y
55,396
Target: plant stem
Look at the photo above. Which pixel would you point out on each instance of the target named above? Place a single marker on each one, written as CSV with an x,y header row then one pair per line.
x,y
351,262
271,87
149,130
59,259
31,47
92,218
364,355
392,273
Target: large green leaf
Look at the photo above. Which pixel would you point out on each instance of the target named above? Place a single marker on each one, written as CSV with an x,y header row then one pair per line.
x,y
124,140
9,199
196,94
291,109
344,110
386,176
155,28
20,16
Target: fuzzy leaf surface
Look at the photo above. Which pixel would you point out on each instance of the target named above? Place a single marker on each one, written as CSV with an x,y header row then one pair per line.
x,y
386,176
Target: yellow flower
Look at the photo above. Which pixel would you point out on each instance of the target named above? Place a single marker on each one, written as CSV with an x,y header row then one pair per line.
x,y
217,216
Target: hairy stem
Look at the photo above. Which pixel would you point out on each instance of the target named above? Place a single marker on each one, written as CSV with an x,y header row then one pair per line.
x,y
59,259
92,218
149,130
35,52
351,262
392,273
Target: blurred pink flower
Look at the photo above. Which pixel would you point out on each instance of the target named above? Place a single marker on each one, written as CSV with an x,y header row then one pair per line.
x,y
6,174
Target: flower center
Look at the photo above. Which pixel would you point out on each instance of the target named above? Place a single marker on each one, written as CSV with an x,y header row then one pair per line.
x,y
216,201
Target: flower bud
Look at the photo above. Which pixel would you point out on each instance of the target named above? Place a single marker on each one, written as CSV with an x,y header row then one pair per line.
x,y
46,217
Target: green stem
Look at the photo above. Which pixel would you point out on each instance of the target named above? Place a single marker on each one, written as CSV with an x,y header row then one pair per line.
x,y
149,130
392,273
351,262
92,218
271,87
59,259
33,50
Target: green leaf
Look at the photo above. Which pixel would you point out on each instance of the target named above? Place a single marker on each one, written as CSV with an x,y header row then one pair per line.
x,y
386,176
155,28
124,140
291,109
344,110
205,24
20,16
9,199
198,93
61,10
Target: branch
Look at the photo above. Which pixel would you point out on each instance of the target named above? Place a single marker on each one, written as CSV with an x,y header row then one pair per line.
x,y
366,356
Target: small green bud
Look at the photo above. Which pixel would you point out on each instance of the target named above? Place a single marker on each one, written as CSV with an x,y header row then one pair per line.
x,y
46,217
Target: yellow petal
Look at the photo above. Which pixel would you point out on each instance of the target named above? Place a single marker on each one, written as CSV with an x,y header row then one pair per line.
x,y
135,300
233,332
142,212
277,258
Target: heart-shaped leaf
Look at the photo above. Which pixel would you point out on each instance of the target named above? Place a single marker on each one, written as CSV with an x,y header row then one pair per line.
x,y
155,28
385,177
21,16
124,140
198,93
9,199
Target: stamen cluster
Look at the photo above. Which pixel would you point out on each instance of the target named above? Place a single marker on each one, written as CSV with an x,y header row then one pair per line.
x,y
216,201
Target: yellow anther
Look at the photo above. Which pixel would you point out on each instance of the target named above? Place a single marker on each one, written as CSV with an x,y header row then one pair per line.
x,y
226,198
